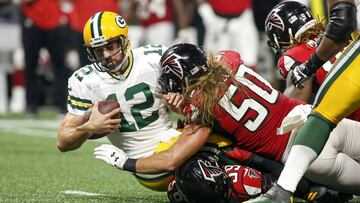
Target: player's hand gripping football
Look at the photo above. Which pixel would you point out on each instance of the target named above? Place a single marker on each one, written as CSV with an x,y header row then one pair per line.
x,y
111,155
100,123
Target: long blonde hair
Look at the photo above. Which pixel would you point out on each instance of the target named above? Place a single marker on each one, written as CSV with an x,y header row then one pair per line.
x,y
208,89
315,30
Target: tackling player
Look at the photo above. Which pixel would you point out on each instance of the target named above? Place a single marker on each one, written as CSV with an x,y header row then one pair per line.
x,y
207,177
294,43
241,105
337,97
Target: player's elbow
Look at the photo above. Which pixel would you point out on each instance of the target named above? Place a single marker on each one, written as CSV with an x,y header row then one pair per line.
x,y
61,146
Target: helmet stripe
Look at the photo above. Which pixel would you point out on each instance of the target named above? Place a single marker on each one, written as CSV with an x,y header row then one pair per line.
x,y
96,25
92,27
99,24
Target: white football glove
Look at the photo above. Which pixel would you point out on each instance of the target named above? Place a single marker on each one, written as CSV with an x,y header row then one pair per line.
x,y
111,155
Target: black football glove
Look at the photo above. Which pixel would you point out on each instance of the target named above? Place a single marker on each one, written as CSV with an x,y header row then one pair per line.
x,y
304,71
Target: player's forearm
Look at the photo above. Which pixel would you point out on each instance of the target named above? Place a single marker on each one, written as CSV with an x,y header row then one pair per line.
x,y
156,164
71,138
304,94
328,48
342,22
191,140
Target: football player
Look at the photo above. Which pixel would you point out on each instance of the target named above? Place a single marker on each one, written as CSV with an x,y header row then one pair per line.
x,y
203,178
129,76
294,42
226,97
225,23
206,177
337,97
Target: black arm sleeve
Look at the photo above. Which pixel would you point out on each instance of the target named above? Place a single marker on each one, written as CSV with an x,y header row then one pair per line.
x,y
342,21
274,168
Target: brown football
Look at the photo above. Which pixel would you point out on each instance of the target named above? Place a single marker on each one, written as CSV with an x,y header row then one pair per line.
x,y
105,107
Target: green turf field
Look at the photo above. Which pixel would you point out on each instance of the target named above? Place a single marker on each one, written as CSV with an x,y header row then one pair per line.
x,y
33,170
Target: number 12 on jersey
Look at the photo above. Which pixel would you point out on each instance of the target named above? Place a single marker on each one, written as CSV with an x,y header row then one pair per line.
x,y
136,109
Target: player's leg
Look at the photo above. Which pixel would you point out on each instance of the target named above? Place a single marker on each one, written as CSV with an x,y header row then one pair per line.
x,y
339,159
336,172
245,42
338,97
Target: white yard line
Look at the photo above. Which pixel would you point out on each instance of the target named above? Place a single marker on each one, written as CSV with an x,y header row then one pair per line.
x,y
51,124
81,193
36,128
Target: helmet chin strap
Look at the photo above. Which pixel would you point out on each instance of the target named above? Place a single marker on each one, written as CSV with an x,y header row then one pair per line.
x,y
120,67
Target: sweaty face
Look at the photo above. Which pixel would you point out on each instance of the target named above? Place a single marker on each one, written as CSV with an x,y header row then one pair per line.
x,y
109,55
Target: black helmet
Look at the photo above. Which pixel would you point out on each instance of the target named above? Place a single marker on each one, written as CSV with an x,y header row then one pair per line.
x,y
180,63
285,22
200,179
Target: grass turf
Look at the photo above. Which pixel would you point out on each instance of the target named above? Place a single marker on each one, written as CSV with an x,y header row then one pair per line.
x,y
33,170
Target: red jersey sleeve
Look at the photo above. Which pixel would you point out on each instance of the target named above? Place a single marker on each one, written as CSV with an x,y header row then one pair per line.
x,y
300,54
246,182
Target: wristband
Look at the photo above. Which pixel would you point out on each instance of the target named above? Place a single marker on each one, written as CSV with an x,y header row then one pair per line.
x,y
314,63
130,165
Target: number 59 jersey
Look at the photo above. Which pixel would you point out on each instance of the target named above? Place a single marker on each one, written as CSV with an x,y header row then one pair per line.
x,y
144,116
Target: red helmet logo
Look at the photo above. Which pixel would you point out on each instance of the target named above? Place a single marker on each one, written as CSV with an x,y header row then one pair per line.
x,y
172,64
274,20
209,171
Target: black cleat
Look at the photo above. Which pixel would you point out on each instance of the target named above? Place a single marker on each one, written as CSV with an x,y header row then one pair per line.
x,y
276,194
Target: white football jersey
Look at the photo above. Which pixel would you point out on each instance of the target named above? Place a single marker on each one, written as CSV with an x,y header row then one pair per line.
x,y
144,116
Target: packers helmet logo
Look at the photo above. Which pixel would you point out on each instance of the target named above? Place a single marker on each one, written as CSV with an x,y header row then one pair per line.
x,y
120,21
274,20
172,65
209,171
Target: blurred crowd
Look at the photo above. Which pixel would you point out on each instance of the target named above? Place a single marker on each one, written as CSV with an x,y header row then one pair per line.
x,y
41,40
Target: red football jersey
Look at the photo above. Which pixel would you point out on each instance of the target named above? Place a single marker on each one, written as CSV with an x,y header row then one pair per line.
x,y
300,54
154,11
250,116
246,182
230,7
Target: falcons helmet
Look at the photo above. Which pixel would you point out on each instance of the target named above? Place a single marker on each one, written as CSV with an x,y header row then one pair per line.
x,y
200,179
285,22
180,63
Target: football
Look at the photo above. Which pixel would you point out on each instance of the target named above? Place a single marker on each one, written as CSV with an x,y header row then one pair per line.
x,y
105,107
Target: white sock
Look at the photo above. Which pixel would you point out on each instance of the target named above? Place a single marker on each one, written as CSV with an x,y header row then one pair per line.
x,y
299,160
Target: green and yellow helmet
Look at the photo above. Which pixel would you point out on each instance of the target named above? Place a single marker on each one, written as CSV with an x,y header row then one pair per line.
x,y
99,30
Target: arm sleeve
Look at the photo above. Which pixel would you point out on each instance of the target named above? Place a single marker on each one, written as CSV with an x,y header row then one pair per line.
x,y
275,168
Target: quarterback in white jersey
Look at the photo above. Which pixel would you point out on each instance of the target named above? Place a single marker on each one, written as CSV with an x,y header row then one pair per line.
x,y
144,117
127,76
